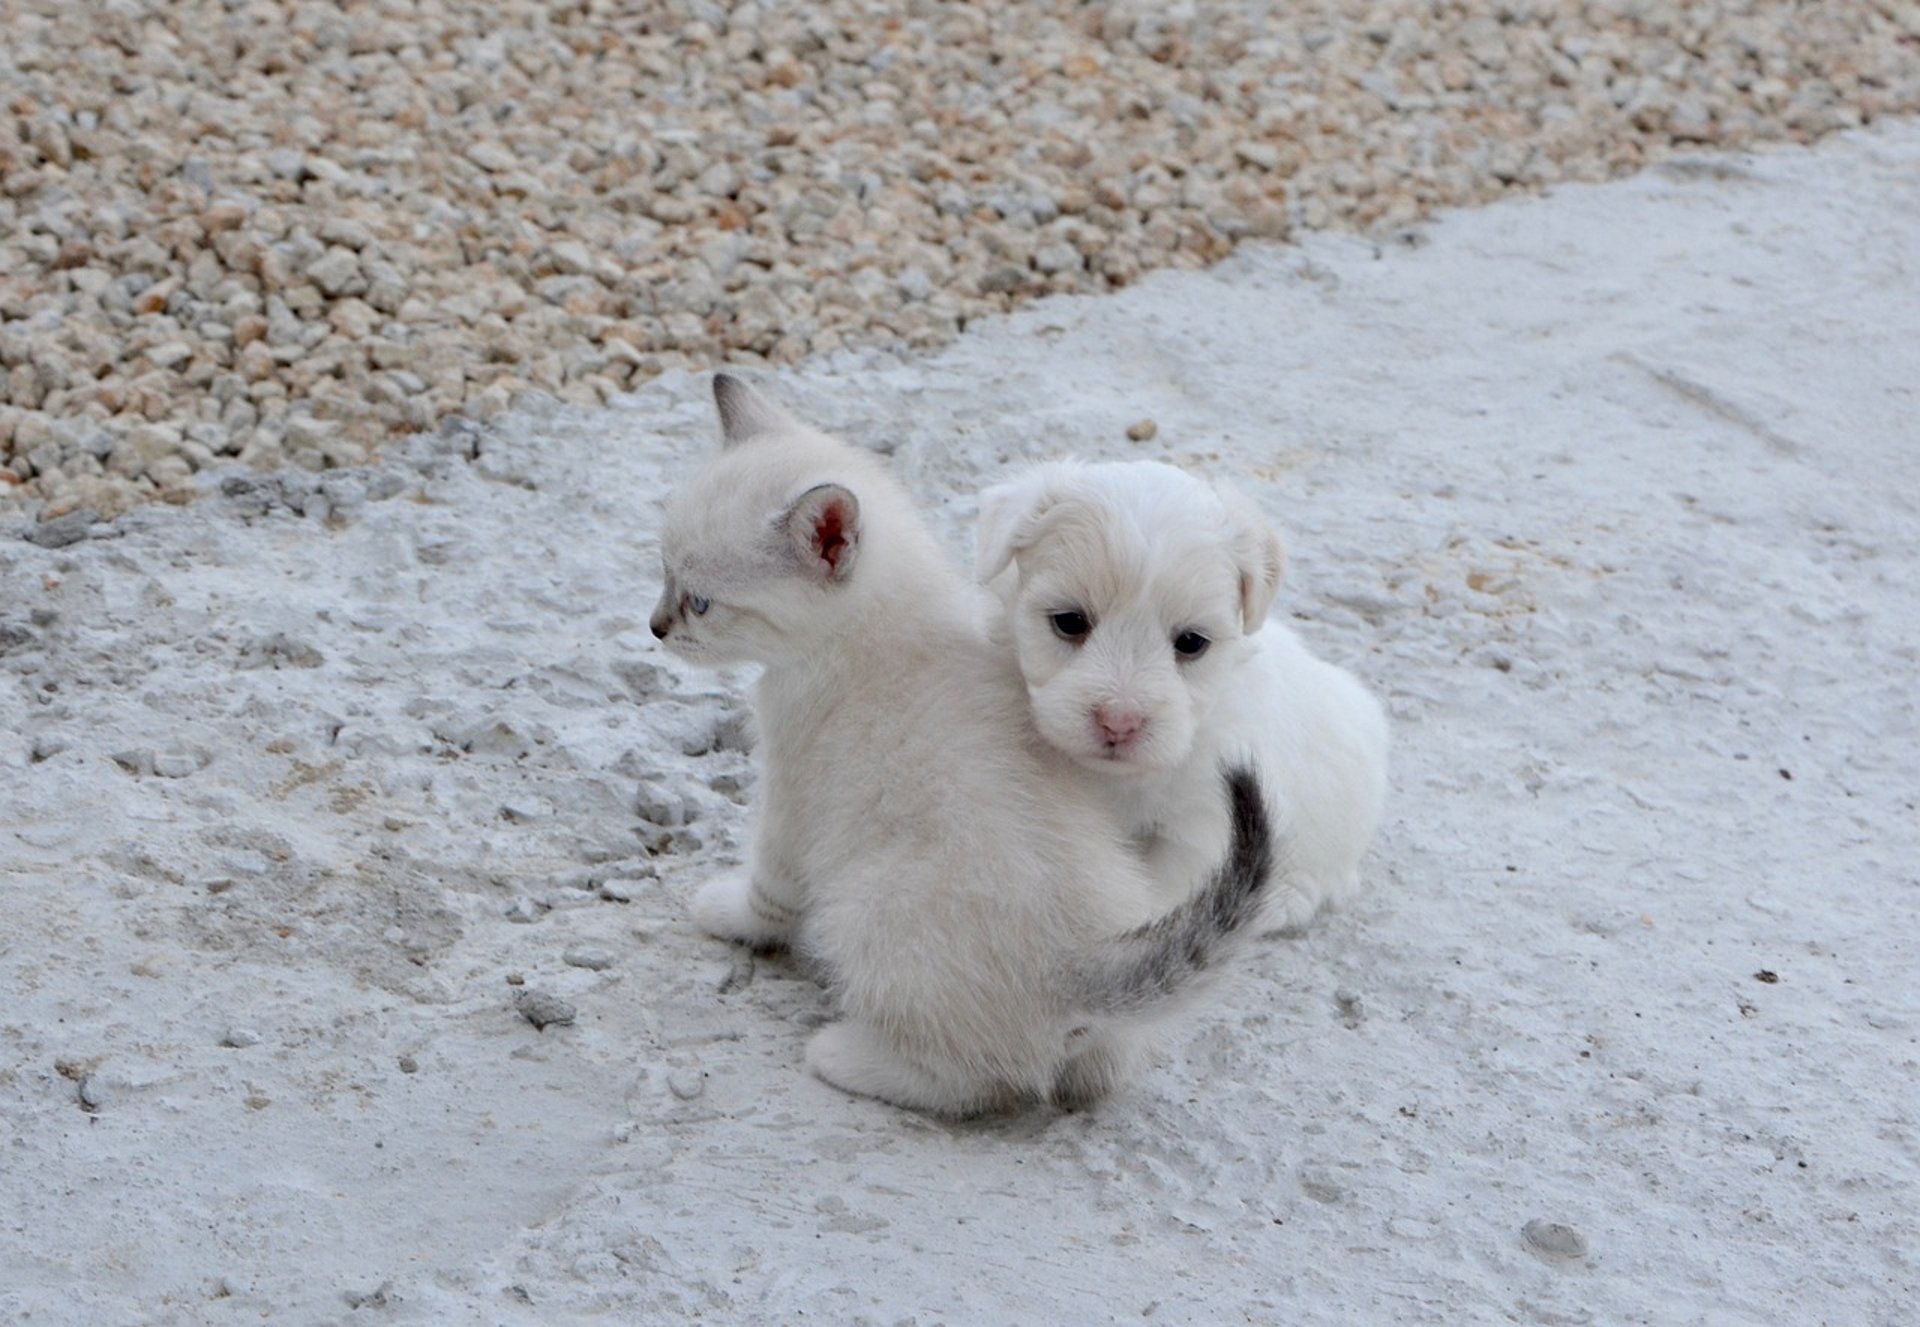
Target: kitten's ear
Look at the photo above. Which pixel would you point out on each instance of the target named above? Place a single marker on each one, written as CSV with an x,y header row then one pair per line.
x,y
1259,554
744,413
823,526
1005,526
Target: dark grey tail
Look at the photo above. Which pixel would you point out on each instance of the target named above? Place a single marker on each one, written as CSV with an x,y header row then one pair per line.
x,y
1146,966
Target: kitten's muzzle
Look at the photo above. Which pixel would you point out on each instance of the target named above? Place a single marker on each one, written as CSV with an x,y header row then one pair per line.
x,y
660,623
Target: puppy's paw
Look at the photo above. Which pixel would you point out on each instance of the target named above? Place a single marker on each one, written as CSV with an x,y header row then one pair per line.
x,y
735,907
1290,909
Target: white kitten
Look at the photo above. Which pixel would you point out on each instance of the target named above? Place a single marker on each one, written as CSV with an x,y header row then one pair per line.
x,y
1135,598
989,933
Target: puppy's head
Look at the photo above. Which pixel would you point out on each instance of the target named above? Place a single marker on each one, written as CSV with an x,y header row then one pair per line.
x,y
1130,591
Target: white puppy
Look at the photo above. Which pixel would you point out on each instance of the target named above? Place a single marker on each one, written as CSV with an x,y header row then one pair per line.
x,y
1135,597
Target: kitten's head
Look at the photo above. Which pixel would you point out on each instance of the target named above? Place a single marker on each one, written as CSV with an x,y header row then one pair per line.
x,y
761,544
1130,591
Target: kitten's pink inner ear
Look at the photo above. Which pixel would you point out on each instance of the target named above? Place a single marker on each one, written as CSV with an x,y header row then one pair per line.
x,y
824,524
831,538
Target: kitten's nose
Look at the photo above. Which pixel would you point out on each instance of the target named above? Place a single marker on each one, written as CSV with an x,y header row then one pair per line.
x,y
661,624
1118,726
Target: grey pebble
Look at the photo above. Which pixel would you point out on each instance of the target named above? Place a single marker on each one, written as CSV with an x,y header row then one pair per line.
x,y
63,530
409,1065
591,957
1554,1239
280,650
385,484
522,810
92,1098
1322,1188
246,861
580,879
379,1297
686,1084
623,889
542,1008
561,899
499,738
135,760
1353,1011
175,764
644,680
240,1038
659,806
525,910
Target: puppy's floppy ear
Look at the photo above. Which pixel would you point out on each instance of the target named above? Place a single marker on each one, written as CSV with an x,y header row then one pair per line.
x,y
1008,516
1260,556
823,529
744,413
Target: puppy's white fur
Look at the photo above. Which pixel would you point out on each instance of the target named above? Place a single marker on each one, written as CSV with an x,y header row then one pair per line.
x,y
1146,554
975,906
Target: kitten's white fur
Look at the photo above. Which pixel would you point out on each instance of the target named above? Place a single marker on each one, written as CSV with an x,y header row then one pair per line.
x,y
984,923
1147,552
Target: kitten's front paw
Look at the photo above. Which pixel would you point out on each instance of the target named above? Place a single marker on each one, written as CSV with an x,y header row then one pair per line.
x,y
733,907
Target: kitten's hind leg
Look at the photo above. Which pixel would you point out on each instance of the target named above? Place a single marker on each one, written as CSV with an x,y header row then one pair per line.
x,y
1099,1062
855,1058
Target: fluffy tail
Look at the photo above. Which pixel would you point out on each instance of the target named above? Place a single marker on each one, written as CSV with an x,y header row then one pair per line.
x,y
1167,956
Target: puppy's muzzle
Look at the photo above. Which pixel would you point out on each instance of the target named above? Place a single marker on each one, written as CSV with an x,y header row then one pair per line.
x,y
1119,727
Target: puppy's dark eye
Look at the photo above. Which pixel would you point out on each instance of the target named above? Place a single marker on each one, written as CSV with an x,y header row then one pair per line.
x,y
698,605
1190,644
1070,626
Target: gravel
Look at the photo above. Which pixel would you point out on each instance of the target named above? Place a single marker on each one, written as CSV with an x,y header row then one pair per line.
x,y
284,233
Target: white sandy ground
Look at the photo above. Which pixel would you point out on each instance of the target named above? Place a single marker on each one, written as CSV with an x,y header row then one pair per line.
x,y
1615,494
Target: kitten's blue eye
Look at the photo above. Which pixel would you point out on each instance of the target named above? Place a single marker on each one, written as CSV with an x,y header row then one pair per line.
x,y
1070,626
698,605
1190,644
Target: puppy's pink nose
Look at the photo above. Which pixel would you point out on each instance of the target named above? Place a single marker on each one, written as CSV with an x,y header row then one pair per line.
x,y
1118,726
